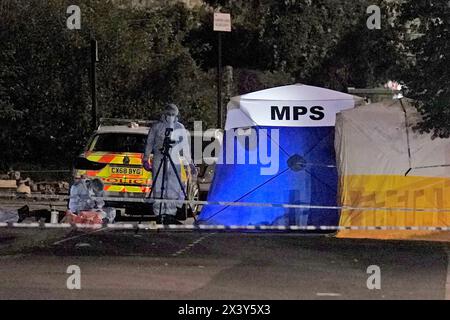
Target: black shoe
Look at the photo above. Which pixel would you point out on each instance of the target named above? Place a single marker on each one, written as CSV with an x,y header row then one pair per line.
x,y
24,213
181,214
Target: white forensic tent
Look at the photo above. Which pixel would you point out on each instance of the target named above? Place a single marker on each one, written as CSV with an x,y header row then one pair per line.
x,y
383,162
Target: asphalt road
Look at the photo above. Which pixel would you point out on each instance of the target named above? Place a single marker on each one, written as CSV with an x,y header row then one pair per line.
x,y
125,265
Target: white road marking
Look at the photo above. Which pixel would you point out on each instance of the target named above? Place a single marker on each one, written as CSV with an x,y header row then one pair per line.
x,y
82,244
78,236
328,294
191,245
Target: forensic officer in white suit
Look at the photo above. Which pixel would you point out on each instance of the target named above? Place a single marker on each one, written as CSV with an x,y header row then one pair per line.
x,y
180,147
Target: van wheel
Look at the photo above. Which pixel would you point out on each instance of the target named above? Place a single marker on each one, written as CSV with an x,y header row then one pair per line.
x,y
194,194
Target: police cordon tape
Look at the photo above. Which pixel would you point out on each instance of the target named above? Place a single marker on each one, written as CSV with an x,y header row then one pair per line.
x,y
200,227
190,227
223,203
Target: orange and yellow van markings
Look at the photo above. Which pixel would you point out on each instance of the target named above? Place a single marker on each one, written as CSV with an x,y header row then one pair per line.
x,y
107,158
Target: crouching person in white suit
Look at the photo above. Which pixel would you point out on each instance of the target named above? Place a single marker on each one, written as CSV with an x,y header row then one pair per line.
x,y
84,196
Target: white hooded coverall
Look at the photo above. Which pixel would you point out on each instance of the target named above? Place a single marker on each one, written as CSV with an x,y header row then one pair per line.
x,y
181,147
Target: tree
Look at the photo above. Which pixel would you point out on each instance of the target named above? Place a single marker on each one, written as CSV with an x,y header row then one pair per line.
x,y
428,75
43,83
167,53
45,98
325,43
363,57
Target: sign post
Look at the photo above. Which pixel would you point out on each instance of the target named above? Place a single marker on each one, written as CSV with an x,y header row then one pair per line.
x,y
94,60
222,23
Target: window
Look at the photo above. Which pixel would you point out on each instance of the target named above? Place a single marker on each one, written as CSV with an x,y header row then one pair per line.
x,y
120,142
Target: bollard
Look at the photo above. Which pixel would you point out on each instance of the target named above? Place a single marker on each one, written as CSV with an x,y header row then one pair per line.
x,y
54,216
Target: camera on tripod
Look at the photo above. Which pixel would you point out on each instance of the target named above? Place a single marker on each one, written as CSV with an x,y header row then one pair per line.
x,y
168,142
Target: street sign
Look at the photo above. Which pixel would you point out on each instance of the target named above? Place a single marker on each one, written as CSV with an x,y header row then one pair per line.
x,y
222,22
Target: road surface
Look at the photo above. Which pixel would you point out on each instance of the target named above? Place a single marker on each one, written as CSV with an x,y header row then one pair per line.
x,y
193,265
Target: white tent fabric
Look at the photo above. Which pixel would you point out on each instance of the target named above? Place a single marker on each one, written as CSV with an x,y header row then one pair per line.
x,y
374,139
256,108
384,163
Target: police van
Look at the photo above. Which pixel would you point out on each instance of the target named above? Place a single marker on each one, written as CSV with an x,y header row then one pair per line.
x,y
114,155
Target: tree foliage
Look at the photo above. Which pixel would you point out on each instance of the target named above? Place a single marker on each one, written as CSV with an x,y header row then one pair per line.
x,y
44,74
152,55
428,73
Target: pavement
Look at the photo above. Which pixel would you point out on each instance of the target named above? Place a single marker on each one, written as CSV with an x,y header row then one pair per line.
x,y
198,265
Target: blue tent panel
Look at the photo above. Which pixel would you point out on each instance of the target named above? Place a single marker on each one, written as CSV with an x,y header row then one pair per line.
x,y
314,184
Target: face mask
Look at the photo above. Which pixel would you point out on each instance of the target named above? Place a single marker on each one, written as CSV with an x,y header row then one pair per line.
x,y
170,119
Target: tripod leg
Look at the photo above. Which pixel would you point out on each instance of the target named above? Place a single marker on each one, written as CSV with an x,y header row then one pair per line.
x,y
154,181
176,174
164,178
155,178
179,181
